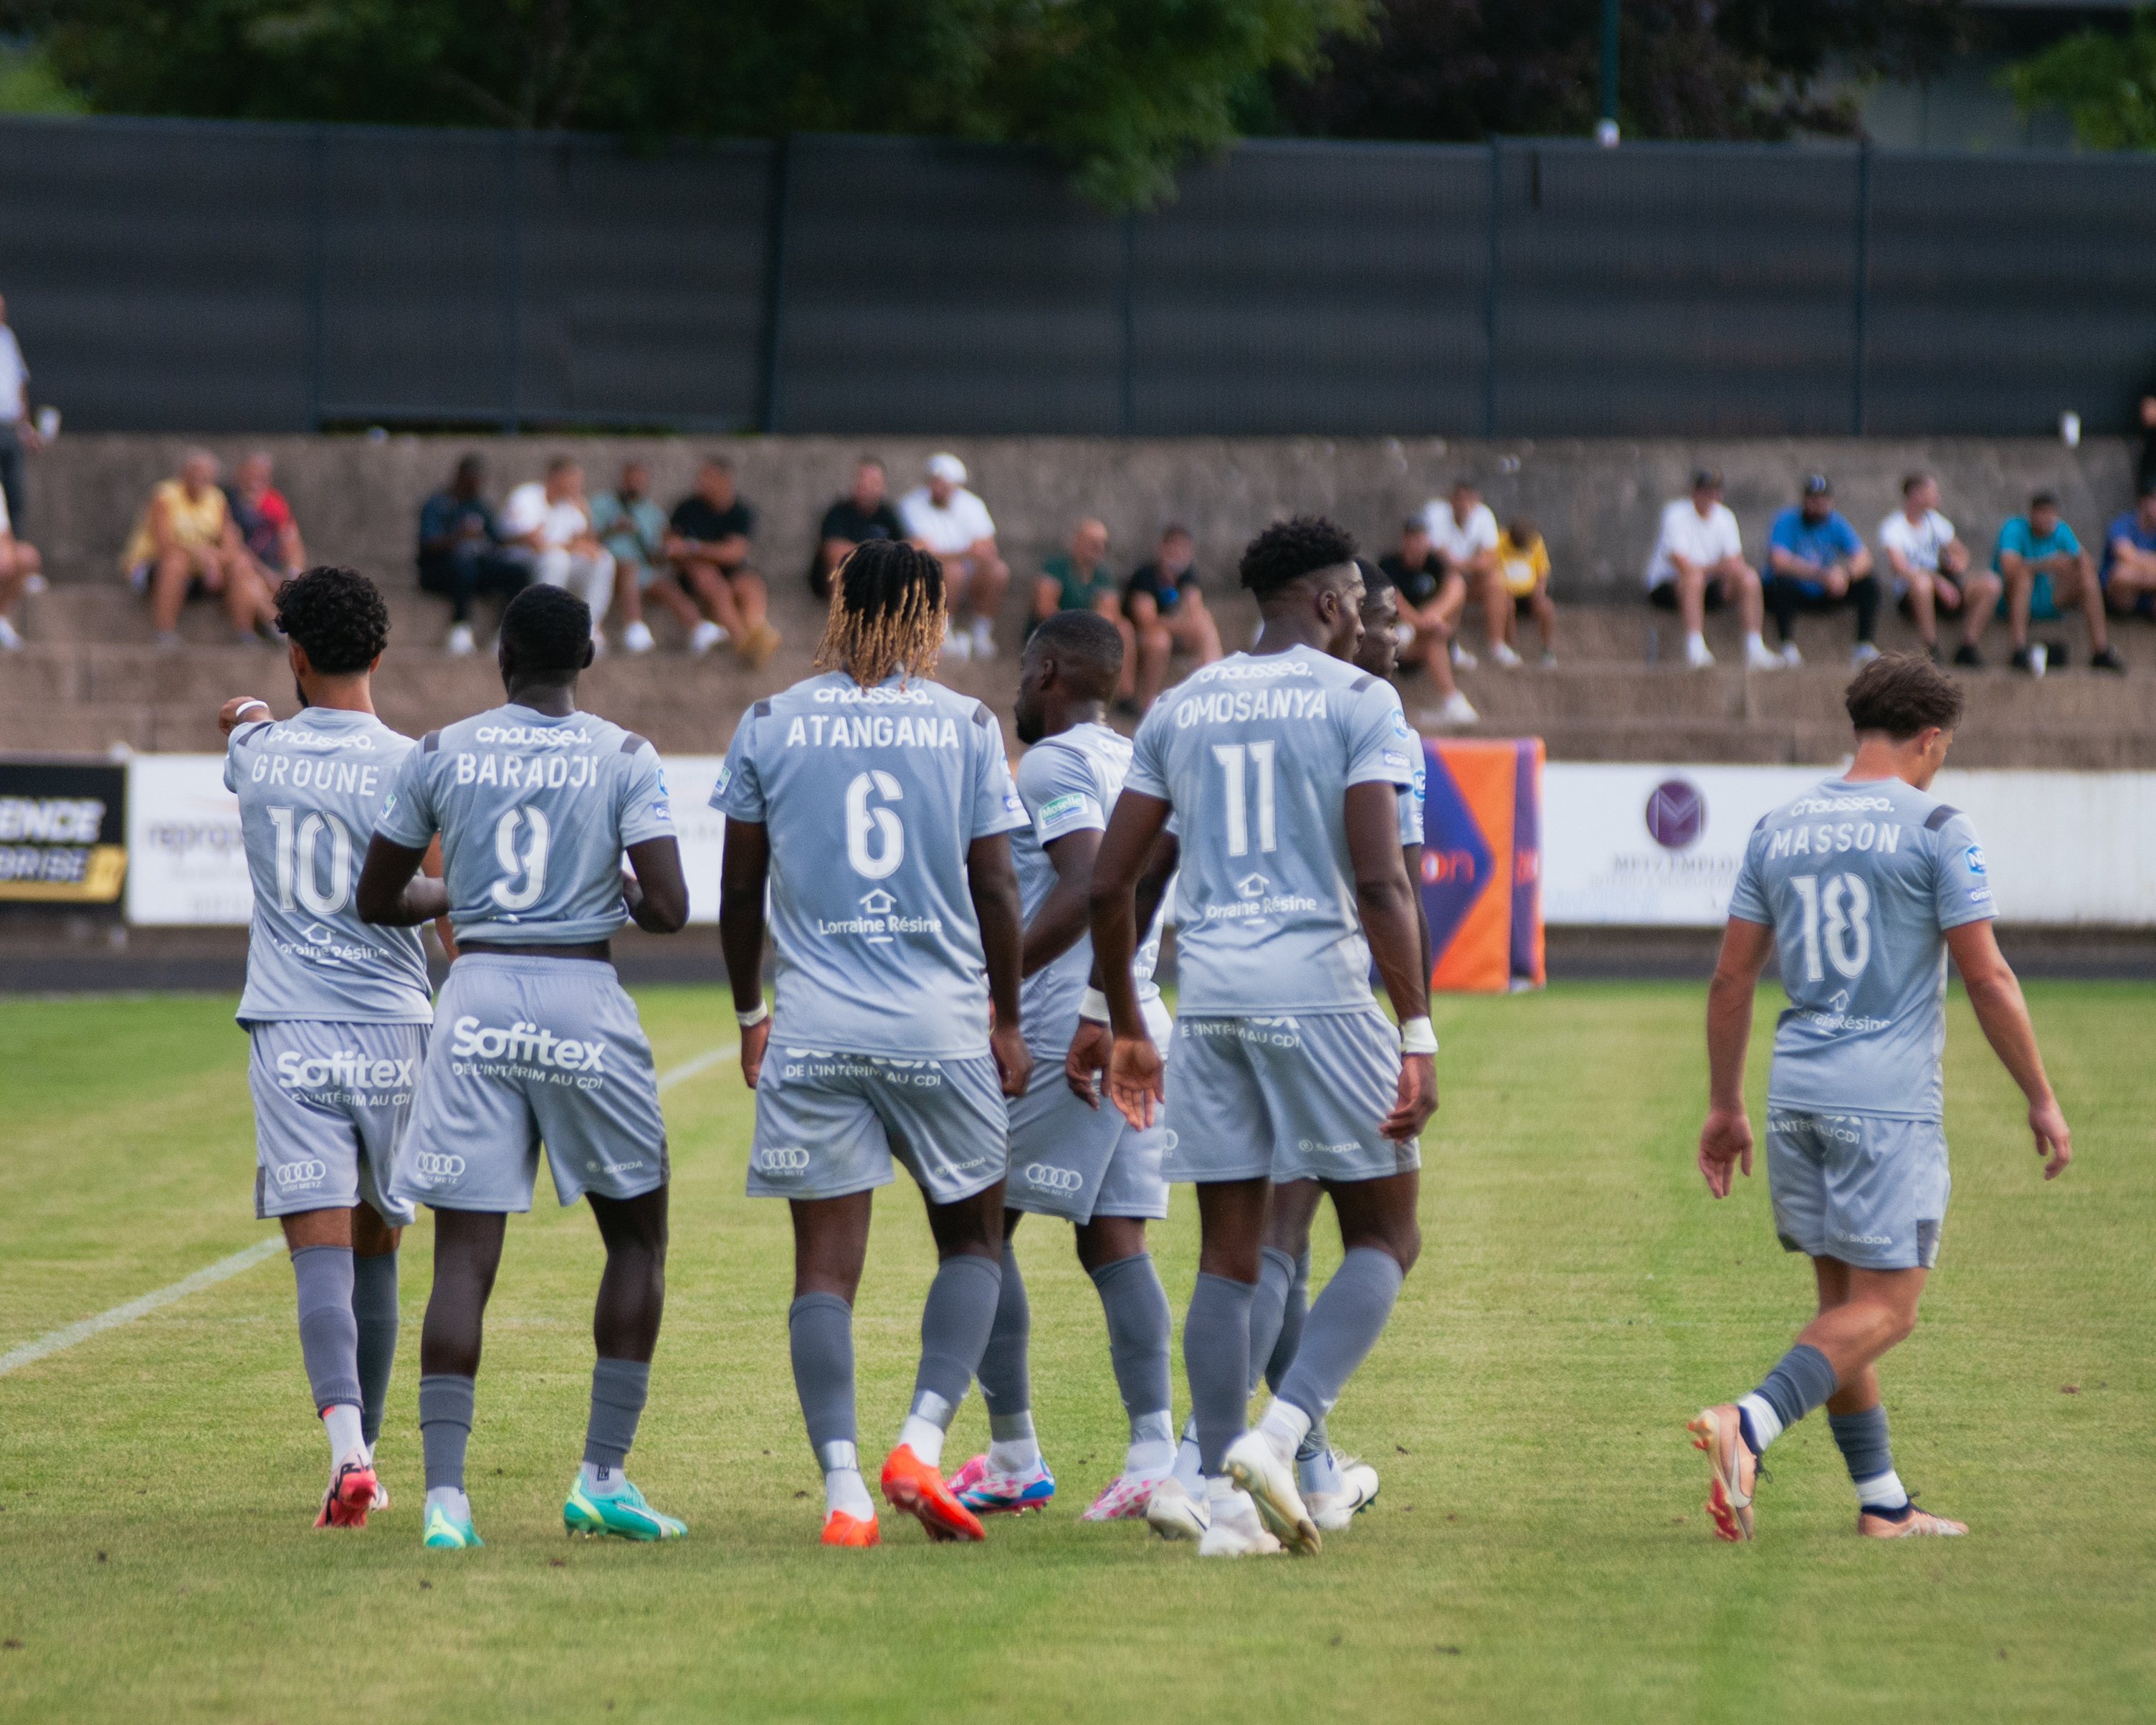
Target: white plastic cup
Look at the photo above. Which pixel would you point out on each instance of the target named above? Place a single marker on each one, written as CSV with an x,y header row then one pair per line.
x,y
49,423
2039,655
2069,430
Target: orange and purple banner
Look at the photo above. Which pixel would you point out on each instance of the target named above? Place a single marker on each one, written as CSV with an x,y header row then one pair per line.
x,y
1481,864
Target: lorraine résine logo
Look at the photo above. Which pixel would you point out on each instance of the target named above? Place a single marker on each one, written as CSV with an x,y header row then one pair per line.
x,y
1676,814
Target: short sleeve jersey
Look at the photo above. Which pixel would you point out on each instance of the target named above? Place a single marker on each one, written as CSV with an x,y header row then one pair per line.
x,y
308,789
1860,883
2023,541
534,813
1819,542
871,798
1459,540
1413,799
1165,588
1068,783
961,522
2127,527
1417,584
1917,543
1255,754
694,517
1703,540
847,520
1077,590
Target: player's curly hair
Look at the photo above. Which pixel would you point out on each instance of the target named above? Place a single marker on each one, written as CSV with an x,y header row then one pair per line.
x,y
1900,695
886,613
547,629
337,615
1288,550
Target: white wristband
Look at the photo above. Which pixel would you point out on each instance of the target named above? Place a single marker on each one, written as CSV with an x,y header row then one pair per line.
x,y
1417,1037
748,1021
248,706
1095,1006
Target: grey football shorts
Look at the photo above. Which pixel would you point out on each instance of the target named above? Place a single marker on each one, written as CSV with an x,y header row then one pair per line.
x,y
332,1103
1291,1098
827,1124
529,1052
1870,1191
1078,1162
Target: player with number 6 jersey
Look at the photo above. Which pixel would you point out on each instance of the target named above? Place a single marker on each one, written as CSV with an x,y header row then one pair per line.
x,y
872,804
536,803
336,1012
1864,884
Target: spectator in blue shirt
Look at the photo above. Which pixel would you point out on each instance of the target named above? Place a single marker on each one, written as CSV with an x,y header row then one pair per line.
x,y
2047,572
2128,574
1816,563
634,528
460,557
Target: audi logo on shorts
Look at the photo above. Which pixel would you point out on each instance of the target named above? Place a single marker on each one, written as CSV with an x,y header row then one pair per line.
x,y
442,1167
302,1173
1050,1179
793,1160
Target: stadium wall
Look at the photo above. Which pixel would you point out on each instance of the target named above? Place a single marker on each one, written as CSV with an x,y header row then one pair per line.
x,y
228,276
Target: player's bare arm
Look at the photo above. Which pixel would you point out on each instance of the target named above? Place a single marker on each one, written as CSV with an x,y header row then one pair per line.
x,y
393,893
1093,1044
1726,1138
992,881
742,874
1994,992
1134,1066
1387,905
654,889
1059,924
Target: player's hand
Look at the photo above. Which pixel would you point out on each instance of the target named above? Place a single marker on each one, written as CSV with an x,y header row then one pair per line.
x,y
2053,1139
1090,1050
1014,1059
754,1041
1418,1097
1134,1079
1726,1138
228,716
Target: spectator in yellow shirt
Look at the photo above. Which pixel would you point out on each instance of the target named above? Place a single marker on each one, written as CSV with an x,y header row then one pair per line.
x,y
1523,560
185,544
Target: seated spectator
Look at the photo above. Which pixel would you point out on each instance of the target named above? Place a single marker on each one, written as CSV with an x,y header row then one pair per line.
x,y
2128,574
1083,582
18,562
1165,604
1429,597
264,521
1818,565
943,516
458,557
185,546
544,527
1930,567
707,541
1524,562
864,512
1697,566
2047,572
1463,531
633,528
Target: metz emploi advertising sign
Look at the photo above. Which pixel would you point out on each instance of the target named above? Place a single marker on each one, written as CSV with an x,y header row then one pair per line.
x,y
63,834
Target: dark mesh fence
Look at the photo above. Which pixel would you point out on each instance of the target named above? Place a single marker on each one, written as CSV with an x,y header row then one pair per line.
x,y
172,275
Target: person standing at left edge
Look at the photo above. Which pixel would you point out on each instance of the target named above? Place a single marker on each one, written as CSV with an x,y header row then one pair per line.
x,y
536,803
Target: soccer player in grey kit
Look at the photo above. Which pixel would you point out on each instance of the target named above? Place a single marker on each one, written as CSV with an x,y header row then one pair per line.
x,y
336,1013
1864,884
873,805
1283,769
536,804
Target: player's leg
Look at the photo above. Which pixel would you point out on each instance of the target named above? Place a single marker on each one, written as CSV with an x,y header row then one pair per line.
x,y
320,1241
379,1219
1010,1475
830,1246
374,1244
1859,1424
1111,1250
1333,1487
467,1254
1216,1356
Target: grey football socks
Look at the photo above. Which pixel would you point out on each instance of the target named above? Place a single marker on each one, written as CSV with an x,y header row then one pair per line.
x,y
955,1322
1294,1312
1216,1358
1344,1325
1006,1386
1862,1439
1802,1379
329,1336
821,1329
445,1424
619,1389
1136,1306
1269,1308
374,1309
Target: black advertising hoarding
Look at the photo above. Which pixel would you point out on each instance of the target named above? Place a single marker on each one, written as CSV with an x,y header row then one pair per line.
x,y
63,832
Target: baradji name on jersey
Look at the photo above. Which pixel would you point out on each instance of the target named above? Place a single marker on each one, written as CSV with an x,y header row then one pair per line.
x,y
867,730
549,772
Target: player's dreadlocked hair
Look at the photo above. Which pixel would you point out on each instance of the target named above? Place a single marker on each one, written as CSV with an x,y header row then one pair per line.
x,y
886,613
1288,550
337,616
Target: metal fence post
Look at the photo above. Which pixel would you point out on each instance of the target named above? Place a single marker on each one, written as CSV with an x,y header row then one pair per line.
x,y
1489,299
1863,286
318,143
512,269
1127,410
774,284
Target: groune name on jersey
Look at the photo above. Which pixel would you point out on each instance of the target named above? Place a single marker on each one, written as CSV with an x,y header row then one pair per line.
x,y
300,773
873,730
526,1050
1884,836
348,1069
517,772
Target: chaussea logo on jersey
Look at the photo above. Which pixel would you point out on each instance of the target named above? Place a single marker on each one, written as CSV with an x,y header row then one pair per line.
x,y
348,1071
524,1051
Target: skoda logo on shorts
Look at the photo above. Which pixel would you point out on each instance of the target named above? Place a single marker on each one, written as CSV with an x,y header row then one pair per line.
x,y
782,1161
1050,1179
302,1173
446,1167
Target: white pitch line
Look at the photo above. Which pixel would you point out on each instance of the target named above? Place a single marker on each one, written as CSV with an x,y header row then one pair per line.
x,y
53,1341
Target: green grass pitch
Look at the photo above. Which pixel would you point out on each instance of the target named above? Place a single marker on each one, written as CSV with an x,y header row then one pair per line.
x,y
1539,1552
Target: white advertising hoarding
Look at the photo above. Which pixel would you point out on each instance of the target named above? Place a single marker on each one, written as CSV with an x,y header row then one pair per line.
x,y
187,866
1660,845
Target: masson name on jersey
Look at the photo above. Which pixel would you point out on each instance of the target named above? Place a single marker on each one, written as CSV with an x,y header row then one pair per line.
x,y
530,1047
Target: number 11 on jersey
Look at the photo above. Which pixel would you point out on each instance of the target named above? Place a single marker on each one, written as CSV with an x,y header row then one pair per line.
x,y
1230,755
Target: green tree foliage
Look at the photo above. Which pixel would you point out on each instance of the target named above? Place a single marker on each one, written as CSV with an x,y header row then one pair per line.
x,y
29,85
1120,90
2106,81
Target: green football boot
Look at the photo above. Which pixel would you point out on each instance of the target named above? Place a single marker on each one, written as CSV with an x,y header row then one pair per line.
x,y
445,1533
624,1513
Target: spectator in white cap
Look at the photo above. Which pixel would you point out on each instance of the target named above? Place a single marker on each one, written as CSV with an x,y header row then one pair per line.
x,y
945,519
